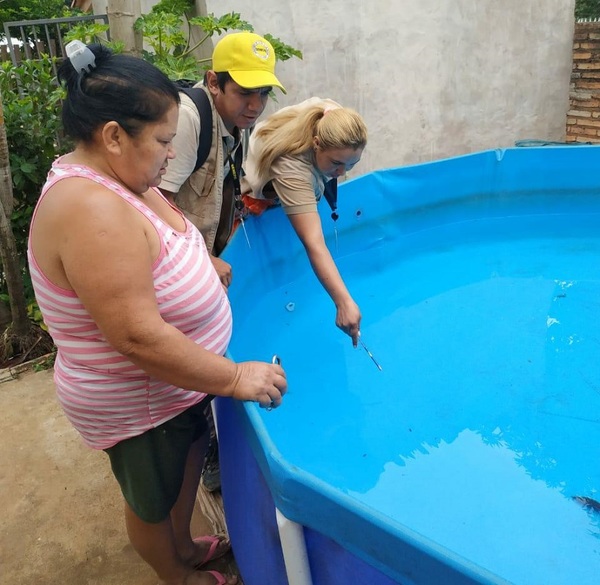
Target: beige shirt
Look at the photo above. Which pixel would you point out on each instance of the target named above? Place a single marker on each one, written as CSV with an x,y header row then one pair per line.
x,y
199,194
298,183
296,180
185,144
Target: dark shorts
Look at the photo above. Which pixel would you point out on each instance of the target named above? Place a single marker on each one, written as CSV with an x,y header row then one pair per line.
x,y
151,466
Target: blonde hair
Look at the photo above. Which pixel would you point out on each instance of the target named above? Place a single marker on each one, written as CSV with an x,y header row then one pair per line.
x,y
290,133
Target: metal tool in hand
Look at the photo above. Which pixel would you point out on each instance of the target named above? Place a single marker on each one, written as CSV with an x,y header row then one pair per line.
x,y
276,360
369,353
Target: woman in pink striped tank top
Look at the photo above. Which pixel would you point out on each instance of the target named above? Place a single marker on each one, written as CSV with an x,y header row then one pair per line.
x,y
136,310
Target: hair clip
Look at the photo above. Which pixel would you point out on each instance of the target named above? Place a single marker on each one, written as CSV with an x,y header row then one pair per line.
x,y
81,56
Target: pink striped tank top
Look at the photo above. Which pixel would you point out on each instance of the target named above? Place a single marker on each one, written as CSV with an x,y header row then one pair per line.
x,y
105,396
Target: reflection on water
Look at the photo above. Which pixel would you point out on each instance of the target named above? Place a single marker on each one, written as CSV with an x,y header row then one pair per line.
x,y
479,501
484,423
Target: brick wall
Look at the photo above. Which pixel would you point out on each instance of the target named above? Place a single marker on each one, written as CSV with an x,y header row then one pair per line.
x,y
583,117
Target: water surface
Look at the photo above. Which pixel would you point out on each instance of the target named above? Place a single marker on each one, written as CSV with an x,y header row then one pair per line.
x,y
484,423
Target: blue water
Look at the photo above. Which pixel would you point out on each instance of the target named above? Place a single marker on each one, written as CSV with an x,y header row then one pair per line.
x,y
484,423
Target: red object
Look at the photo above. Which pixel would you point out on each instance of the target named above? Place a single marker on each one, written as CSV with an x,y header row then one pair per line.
x,y
256,206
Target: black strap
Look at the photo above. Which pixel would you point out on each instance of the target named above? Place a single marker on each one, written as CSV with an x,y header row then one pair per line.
x,y
237,189
232,201
330,194
202,103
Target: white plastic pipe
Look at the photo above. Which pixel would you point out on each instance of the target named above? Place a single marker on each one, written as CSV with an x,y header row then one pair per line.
x,y
293,546
213,407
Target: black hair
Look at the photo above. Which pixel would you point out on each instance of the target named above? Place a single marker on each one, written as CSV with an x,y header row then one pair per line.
x,y
123,88
223,78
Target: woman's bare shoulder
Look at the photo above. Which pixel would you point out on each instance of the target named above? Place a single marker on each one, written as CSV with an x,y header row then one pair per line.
x,y
81,198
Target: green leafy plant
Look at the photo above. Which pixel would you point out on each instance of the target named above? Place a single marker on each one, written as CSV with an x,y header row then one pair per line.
x,y
31,101
92,32
587,8
88,32
31,97
18,10
168,30
45,363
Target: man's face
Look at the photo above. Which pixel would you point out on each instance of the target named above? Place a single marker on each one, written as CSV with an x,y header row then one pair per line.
x,y
238,107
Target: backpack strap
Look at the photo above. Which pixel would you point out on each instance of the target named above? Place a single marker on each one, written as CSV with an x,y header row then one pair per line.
x,y
202,103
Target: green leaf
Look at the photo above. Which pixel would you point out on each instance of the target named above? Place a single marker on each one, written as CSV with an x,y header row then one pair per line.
x,y
27,168
283,51
212,25
178,7
88,32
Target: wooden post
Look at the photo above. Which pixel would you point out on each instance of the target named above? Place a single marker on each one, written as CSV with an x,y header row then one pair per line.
x,y
83,5
40,48
17,51
9,256
121,16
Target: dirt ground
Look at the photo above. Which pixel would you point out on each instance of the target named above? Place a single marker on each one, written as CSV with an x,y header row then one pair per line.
x,y
62,508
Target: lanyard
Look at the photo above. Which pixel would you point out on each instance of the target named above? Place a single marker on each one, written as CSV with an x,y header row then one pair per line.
x,y
237,189
237,195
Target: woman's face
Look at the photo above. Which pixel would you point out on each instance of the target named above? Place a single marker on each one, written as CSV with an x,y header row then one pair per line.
x,y
148,154
334,162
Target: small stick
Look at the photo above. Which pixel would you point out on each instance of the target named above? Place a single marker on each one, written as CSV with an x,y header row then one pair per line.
x,y
369,353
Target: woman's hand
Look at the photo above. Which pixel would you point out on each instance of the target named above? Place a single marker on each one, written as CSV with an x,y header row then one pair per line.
x,y
260,382
348,319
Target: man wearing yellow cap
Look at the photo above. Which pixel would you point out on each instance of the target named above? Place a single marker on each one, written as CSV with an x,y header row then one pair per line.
x,y
238,87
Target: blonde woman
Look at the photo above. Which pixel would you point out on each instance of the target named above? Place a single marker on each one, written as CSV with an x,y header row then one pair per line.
x,y
292,155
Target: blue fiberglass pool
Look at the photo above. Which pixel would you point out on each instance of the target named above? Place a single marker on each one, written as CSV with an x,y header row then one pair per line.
x,y
474,455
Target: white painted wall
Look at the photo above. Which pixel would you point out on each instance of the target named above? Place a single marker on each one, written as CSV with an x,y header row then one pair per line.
x,y
432,78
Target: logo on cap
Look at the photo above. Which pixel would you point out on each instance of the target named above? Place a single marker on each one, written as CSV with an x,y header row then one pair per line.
x,y
261,50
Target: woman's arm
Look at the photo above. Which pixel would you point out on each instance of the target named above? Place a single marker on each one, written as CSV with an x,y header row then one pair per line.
x,y
105,250
309,230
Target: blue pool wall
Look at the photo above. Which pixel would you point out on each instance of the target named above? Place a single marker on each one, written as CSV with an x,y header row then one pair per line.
x,y
372,209
415,197
252,525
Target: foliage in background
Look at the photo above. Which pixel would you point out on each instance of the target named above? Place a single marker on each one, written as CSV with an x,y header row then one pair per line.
x,y
168,29
88,32
32,98
587,8
92,32
45,363
17,10
33,128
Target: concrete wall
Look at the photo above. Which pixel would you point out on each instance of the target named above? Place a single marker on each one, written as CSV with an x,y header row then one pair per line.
x,y
432,79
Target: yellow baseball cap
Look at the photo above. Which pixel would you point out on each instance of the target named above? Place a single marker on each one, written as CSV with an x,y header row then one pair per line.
x,y
248,58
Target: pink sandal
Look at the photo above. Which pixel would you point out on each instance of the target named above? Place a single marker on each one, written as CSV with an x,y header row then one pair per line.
x,y
221,579
211,554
